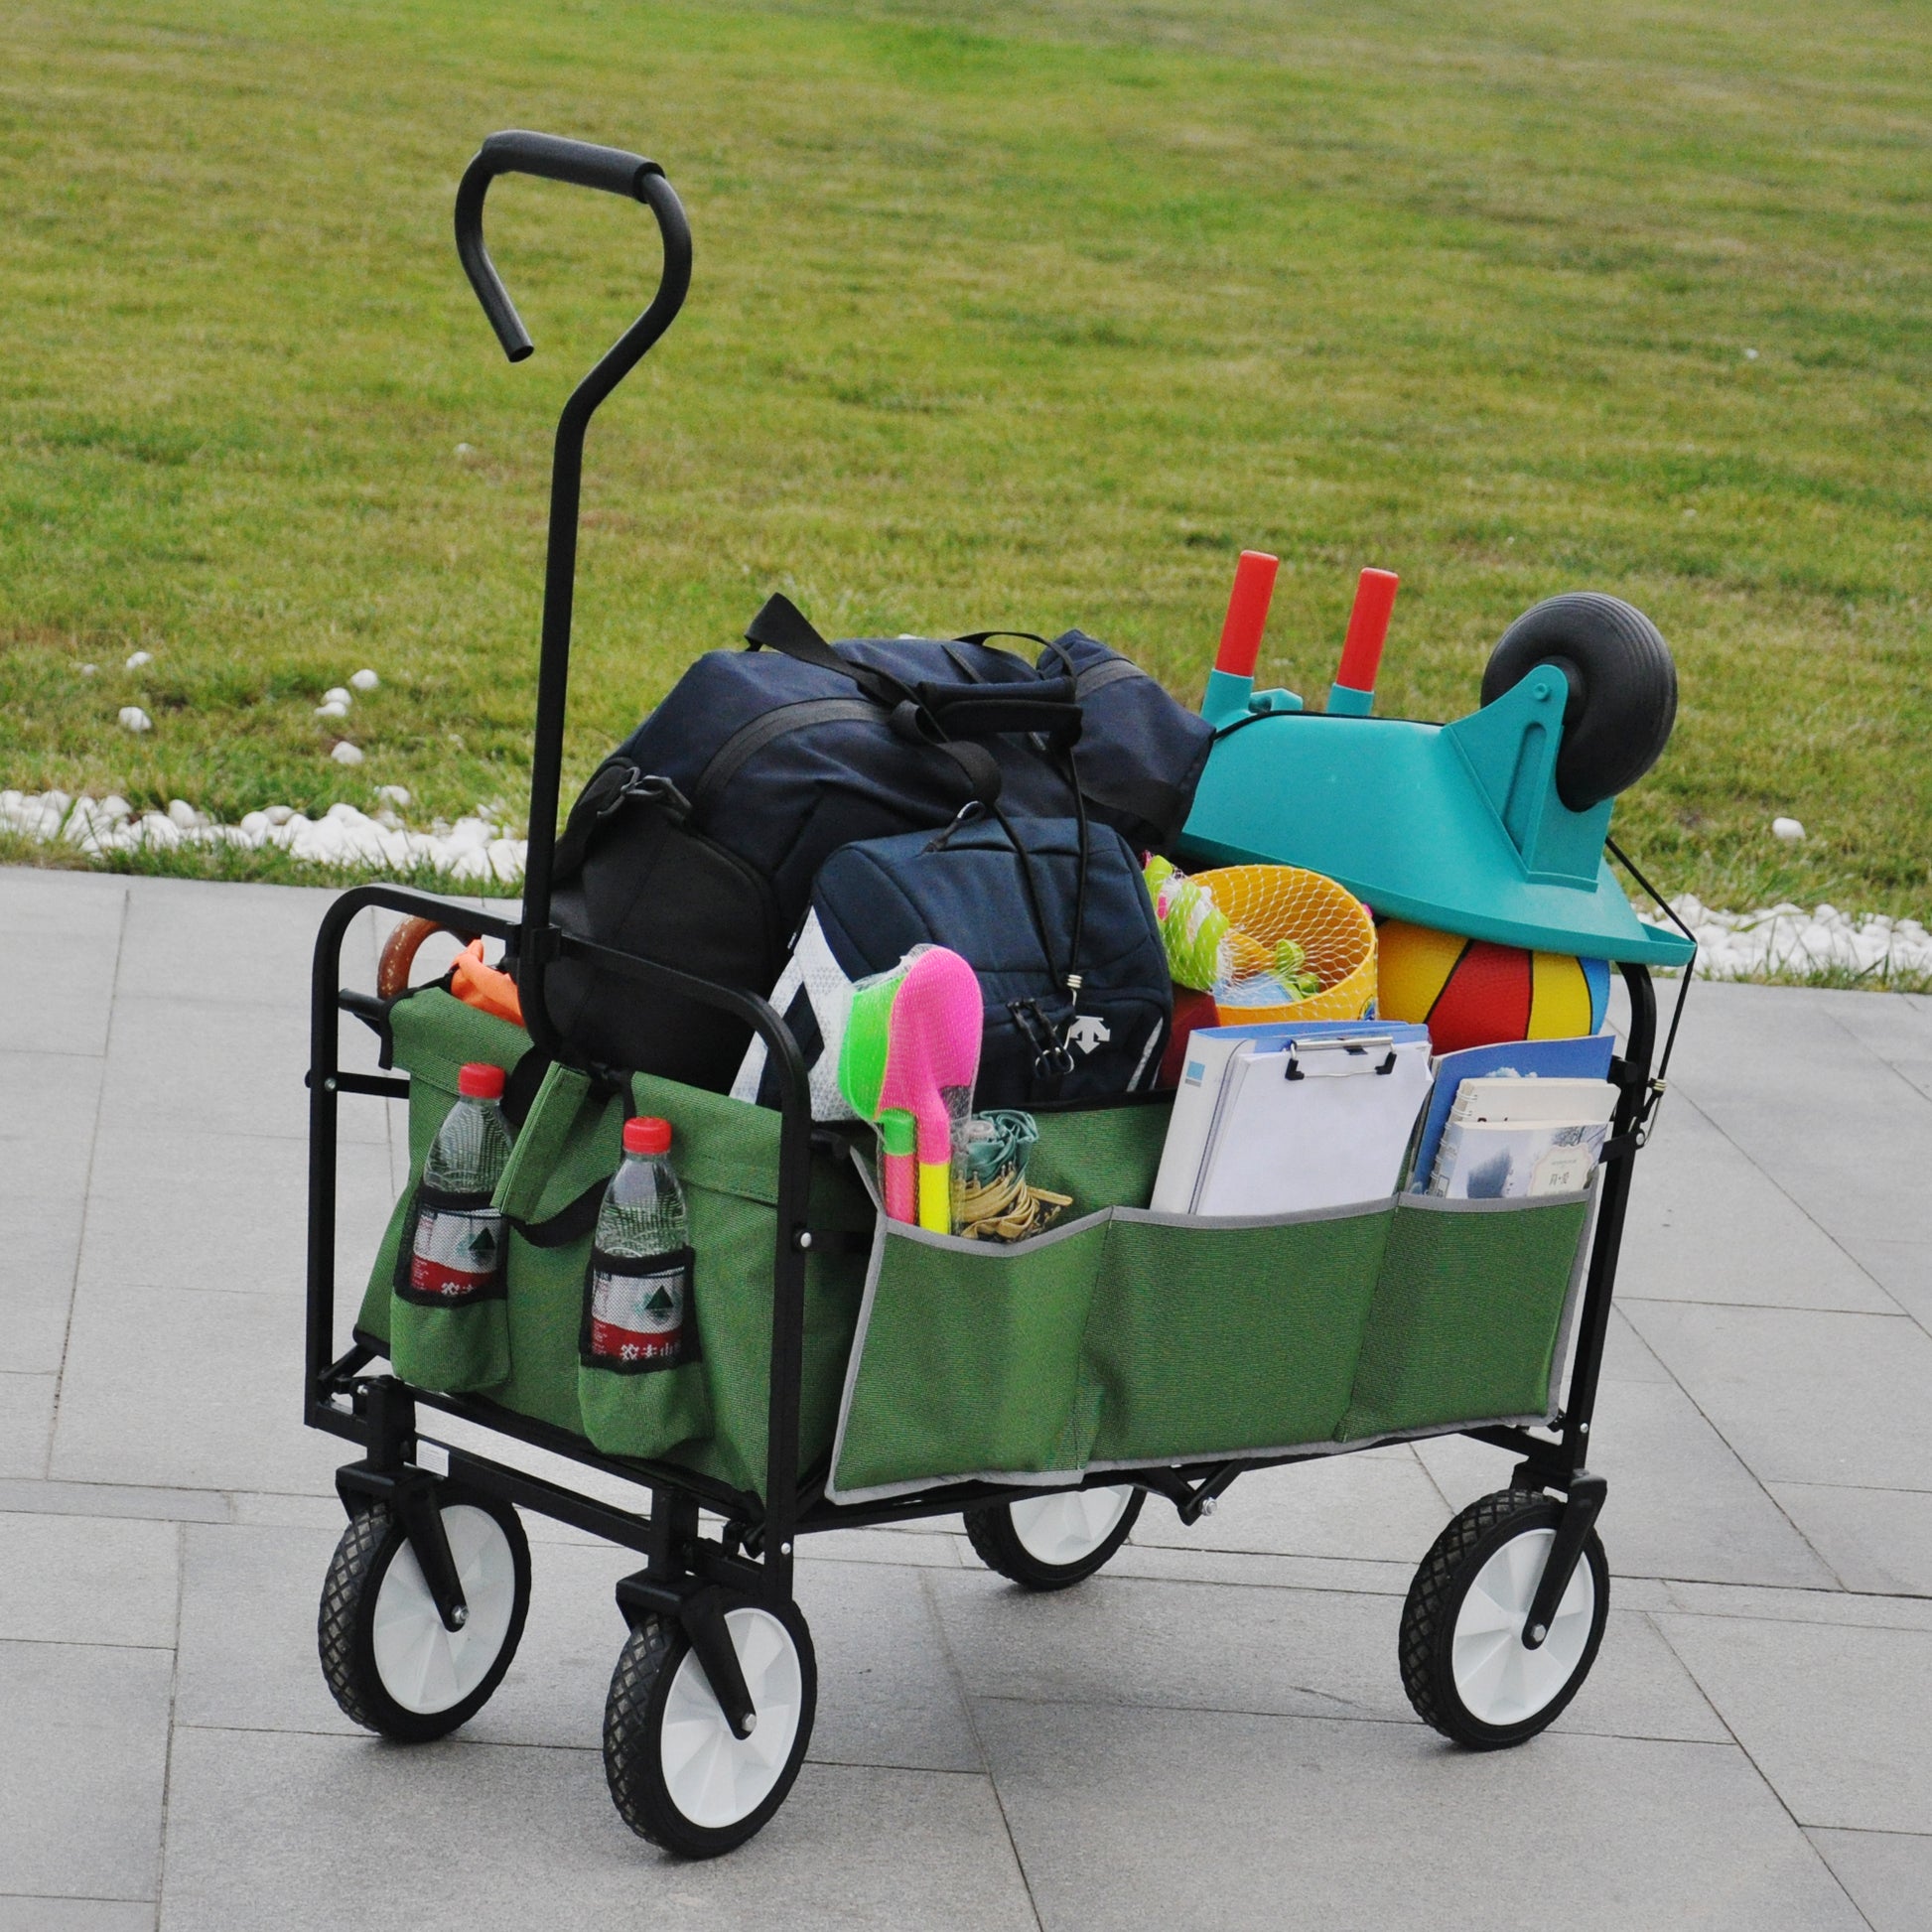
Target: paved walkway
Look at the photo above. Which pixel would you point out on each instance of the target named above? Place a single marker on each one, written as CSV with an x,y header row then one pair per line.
x,y
1210,1734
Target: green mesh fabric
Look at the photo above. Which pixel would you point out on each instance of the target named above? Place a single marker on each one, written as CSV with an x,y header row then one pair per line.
x,y
1466,1315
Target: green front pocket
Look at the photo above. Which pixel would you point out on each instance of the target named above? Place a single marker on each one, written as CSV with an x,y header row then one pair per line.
x,y
449,1318
1468,1313
639,1383
1209,1338
970,1358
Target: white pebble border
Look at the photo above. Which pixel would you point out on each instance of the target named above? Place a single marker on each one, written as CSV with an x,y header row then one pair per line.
x,y
1730,946
472,850
1785,938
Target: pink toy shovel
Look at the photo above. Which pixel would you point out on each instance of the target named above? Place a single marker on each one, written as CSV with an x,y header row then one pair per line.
x,y
932,1058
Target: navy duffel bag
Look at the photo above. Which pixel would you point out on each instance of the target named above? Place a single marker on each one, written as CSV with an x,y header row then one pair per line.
x,y
697,843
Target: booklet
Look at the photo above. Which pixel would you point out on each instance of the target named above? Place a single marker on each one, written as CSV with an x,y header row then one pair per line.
x,y
1516,1139
1585,1056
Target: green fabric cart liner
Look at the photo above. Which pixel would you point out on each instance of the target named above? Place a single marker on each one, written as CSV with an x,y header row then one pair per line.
x,y
712,1415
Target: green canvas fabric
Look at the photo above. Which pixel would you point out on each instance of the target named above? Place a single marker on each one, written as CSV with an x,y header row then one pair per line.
x,y
1210,1340
710,1416
1468,1313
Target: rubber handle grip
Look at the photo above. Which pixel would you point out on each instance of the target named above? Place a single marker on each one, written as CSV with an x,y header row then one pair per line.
x,y
516,151
1368,625
1247,618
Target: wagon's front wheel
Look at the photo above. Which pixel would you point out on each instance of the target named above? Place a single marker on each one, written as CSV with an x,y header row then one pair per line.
x,y
678,1774
1465,1664
385,1655
1050,1542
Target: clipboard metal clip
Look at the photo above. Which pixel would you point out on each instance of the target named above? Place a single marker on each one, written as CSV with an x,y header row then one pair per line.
x,y
1357,1044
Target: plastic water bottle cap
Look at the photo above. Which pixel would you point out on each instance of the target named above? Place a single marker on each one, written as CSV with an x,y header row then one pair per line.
x,y
647,1135
479,1082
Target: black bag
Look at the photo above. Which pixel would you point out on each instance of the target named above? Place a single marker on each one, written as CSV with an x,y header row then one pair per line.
x,y
1006,894
696,844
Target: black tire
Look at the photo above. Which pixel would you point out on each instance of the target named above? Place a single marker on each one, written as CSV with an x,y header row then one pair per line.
x,y
1441,1586
346,1631
996,1541
1622,688
641,1686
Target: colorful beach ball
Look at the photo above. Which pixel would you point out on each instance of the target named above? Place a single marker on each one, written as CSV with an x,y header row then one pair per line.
x,y
1472,993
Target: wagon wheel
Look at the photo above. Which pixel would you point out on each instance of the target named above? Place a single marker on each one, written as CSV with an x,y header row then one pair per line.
x,y
678,1774
387,1659
1465,1664
1049,1542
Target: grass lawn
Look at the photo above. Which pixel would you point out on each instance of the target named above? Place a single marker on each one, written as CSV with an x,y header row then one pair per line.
x,y
1028,313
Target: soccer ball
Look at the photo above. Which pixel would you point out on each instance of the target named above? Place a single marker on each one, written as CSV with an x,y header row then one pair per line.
x,y
1474,993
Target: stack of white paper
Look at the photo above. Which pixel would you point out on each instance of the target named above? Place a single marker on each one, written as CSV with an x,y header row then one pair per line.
x,y
1515,1138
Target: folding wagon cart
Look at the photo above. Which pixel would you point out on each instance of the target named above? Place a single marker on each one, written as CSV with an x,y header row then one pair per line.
x,y
854,1370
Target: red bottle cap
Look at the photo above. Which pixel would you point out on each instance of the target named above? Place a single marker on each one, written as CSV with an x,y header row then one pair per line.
x,y
647,1134
478,1083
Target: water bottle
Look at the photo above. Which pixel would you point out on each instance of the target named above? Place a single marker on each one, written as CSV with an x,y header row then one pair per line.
x,y
458,1241
640,1285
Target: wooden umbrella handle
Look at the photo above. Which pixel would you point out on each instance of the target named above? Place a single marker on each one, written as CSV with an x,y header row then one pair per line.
x,y
399,952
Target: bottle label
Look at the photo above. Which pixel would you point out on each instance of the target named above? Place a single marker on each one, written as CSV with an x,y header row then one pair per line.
x,y
455,1253
639,1315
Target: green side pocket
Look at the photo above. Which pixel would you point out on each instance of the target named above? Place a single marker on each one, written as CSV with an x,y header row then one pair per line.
x,y
638,1381
450,1321
1468,1313
1209,1338
971,1358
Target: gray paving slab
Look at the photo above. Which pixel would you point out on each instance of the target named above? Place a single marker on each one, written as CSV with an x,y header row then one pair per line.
x,y
75,1916
1837,1718
47,1108
187,1388
1855,1155
55,905
1902,1268
1804,1397
1888,1873
1877,1540
1707,1224
1681,1502
89,1580
1136,1818
1380,1504
80,1778
216,1068
26,1422
59,987
455,1837
186,1209
1226,1647
139,1500
196,940
1836,1608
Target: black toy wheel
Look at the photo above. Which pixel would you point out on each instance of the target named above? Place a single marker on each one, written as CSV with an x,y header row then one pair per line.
x,y
1050,1542
679,1776
386,1657
1622,688
1465,1664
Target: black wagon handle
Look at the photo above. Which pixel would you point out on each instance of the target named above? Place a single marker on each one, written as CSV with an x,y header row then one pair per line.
x,y
583,163
615,171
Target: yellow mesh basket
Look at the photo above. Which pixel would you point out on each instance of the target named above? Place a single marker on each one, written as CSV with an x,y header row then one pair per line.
x,y
1269,903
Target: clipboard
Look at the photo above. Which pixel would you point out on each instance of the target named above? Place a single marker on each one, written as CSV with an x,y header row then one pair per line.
x,y
1306,1123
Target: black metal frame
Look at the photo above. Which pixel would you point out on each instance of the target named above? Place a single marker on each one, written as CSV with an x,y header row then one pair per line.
x,y
686,1573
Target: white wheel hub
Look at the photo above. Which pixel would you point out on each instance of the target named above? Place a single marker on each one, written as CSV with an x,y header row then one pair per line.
x,y
1069,1527
423,1666
714,1778
1499,1679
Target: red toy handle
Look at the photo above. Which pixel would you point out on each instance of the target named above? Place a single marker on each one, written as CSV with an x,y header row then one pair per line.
x,y
1368,625
1254,586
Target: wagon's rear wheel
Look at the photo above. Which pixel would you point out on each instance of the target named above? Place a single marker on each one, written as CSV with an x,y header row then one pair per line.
x,y
1050,1542
385,1655
678,1774
1465,1664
